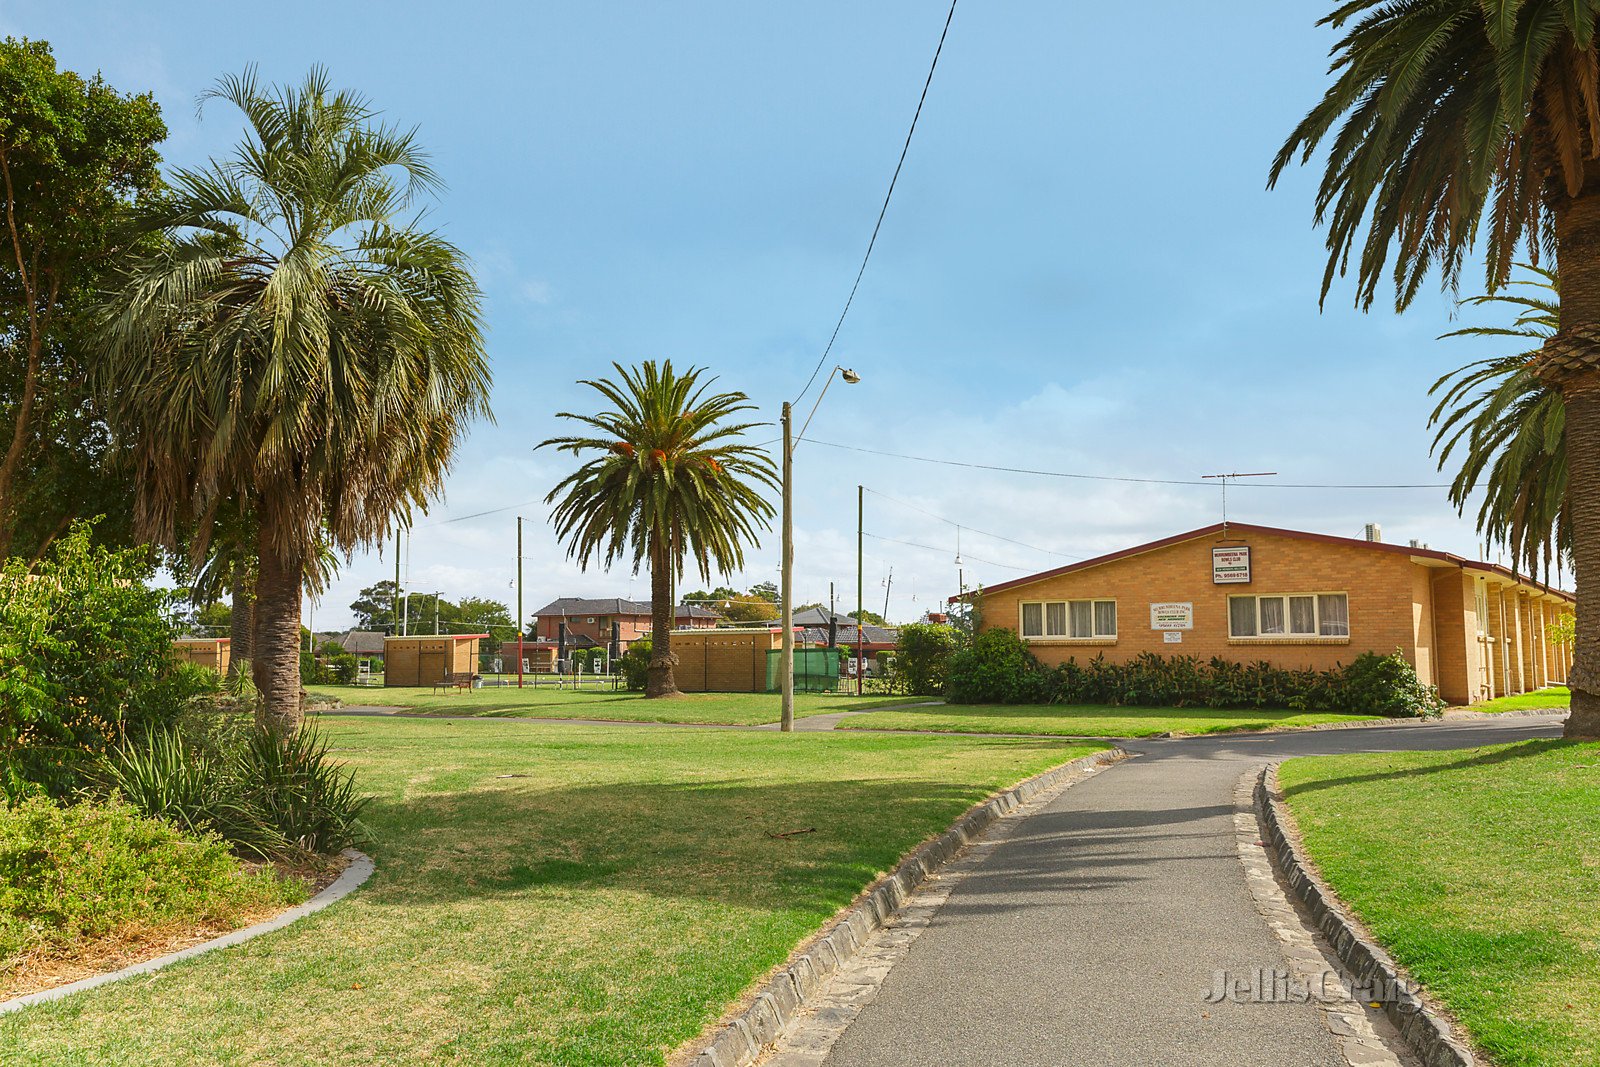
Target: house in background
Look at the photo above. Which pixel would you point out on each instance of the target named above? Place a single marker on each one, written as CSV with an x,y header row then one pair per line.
x,y
363,644
1296,600
577,622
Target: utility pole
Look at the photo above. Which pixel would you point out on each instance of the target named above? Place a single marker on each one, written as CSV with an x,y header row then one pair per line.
x,y
394,627
786,667
519,602
861,601
436,613
887,586
405,601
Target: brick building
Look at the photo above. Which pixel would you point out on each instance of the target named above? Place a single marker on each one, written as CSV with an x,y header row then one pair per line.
x,y
589,622
1297,600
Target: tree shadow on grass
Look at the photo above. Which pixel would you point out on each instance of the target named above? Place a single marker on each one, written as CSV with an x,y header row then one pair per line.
x,y
1478,758
707,840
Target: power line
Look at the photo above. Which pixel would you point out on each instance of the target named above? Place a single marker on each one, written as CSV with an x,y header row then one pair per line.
x,y
1120,478
932,548
969,529
479,514
885,209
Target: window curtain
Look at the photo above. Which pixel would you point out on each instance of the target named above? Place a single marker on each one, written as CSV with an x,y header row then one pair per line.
x,y
1335,611
1082,612
1302,614
1032,620
1242,616
1271,615
1055,619
1105,618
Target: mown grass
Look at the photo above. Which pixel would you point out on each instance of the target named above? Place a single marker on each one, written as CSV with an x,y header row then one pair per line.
x,y
1086,720
548,702
572,895
1556,698
1479,870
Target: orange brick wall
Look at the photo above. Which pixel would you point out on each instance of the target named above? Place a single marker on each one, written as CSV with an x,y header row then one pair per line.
x,y
1383,589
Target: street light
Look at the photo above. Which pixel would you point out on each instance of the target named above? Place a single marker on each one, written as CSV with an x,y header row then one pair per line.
x,y
786,665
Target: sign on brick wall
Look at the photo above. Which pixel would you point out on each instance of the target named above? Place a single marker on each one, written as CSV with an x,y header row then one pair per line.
x,y
1230,566
1172,616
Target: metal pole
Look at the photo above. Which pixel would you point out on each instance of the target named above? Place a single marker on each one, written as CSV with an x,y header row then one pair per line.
x,y
519,602
394,627
786,667
405,601
861,599
436,613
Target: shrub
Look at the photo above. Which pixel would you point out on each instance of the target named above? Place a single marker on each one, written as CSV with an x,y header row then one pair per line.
x,y
923,663
1388,685
999,669
635,664
85,659
267,793
91,869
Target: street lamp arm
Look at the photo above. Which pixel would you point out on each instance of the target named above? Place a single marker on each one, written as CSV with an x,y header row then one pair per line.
x,y
850,377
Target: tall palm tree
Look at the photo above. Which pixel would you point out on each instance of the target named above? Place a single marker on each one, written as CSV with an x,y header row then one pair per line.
x,y
1508,426
300,345
667,478
1460,116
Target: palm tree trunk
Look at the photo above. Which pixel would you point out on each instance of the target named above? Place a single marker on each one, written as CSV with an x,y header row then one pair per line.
x,y
276,642
242,629
660,681
1572,363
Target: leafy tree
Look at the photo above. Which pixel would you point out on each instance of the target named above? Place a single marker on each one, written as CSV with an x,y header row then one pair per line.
x,y
1509,428
748,607
923,663
481,614
767,591
373,607
299,344
74,154
667,479
1468,116
85,658
871,618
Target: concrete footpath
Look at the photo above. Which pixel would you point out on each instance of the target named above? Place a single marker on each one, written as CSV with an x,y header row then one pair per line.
x,y
1091,934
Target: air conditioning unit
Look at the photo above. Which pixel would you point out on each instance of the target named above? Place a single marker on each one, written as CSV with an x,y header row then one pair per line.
x,y
1373,532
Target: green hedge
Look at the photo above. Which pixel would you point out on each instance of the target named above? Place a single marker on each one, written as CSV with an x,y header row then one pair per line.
x,y
998,668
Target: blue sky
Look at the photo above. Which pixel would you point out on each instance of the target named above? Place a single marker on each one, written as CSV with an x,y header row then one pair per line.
x,y
1081,270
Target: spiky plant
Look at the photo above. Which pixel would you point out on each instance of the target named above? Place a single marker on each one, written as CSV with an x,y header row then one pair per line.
x,y
667,478
300,345
1451,120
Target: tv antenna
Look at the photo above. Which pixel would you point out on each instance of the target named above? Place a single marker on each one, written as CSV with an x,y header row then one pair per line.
x,y
1225,479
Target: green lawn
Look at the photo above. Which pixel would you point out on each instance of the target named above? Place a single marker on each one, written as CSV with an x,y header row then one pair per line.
x,y
1556,697
548,702
1085,720
571,896
1479,870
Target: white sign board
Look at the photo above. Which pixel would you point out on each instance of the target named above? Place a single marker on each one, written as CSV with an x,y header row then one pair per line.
x,y
1230,566
1173,637
1172,616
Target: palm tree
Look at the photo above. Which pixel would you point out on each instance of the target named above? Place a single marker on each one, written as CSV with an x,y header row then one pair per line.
x,y
229,568
1461,116
667,478
299,345
1509,427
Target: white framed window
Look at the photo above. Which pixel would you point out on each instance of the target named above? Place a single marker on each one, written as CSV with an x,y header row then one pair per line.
x,y
1289,615
1481,607
1081,619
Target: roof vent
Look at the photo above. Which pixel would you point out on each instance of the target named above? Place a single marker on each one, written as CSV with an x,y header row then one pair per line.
x,y
1373,532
